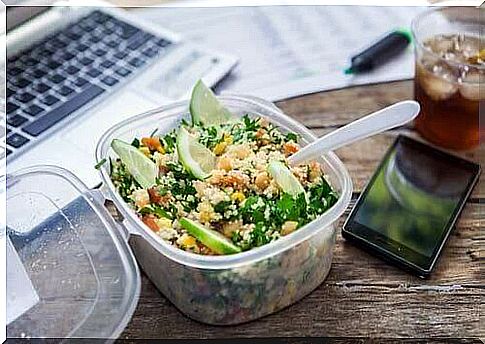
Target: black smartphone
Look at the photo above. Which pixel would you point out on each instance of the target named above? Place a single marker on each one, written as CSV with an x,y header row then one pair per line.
x,y
409,207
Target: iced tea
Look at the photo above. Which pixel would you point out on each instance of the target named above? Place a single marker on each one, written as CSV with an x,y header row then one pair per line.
x,y
450,70
447,85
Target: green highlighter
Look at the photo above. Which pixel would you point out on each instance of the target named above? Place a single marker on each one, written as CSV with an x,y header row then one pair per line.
x,y
380,52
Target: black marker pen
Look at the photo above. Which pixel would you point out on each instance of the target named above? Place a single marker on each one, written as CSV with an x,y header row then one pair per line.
x,y
379,53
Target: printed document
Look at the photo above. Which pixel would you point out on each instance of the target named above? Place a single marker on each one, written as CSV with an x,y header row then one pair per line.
x,y
286,51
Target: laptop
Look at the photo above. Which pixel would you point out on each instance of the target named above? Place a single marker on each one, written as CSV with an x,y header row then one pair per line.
x,y
73,72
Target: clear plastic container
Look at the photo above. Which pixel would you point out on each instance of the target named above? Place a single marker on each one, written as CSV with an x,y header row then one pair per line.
x,y
70,271
237,288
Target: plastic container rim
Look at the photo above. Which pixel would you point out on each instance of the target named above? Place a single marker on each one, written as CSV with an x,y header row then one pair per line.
x,y
243,258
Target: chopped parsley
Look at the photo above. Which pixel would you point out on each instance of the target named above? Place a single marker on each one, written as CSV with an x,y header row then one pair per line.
x,y
209,136
168,141
99,164
135,143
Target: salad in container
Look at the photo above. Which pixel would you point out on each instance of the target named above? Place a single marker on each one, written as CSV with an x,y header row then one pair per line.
x,y
217,218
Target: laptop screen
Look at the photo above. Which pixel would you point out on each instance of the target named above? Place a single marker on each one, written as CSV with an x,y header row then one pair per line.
x,y
18,14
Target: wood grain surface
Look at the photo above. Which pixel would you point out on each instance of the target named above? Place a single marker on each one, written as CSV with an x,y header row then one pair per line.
x,y
362,296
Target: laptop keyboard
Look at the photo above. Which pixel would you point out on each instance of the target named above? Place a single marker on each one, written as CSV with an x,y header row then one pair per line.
x,y
69,69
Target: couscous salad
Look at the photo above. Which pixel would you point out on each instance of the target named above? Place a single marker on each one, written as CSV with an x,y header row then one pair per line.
x,y
220,184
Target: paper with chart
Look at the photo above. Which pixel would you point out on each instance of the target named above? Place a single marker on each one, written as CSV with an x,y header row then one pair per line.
x,y
286,51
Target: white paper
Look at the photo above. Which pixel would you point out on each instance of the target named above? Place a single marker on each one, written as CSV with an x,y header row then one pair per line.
x,y
287,51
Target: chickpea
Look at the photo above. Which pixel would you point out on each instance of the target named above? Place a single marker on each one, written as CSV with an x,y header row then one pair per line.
x,y
224,163
230,227
262,180
241,151
288,227
260,133
246,152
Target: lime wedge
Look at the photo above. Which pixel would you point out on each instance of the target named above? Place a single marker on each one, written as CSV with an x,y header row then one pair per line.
x,y
285,179
195,157
210,238
140,166
205,108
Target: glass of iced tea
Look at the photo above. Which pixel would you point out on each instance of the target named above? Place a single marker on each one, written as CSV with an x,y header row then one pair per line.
x,y
450,71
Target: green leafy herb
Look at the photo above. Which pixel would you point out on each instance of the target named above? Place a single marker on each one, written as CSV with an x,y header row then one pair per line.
x,y
209,137
236,237
290,209
181,187
162,191
251,124
291,137
135,143
322,197
157,210
154,132
224,208
253,209
245,130
259,236
168,142
275,136
179,171
99,164
123,180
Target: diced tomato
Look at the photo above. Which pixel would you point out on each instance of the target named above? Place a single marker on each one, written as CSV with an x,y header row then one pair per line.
x,y
154,195
153,143
149,220
290,148
163,169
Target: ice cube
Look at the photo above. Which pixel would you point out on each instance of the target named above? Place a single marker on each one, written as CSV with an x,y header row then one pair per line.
x,y
456,47
469,46
428,61
450,56
437,86
440,44
472,85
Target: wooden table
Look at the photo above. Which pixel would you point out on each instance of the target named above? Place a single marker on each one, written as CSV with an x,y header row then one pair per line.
x,y
362,296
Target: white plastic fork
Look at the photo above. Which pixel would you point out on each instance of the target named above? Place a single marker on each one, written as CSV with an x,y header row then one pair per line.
x,y
377,122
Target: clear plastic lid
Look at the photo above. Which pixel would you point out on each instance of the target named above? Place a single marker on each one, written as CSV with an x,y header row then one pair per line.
x,y
70,272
